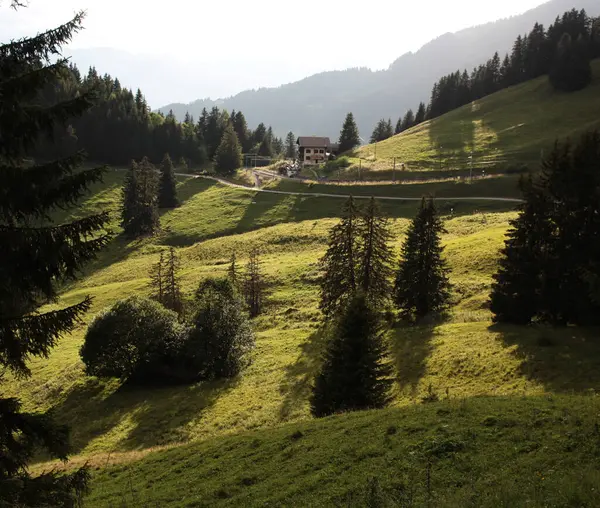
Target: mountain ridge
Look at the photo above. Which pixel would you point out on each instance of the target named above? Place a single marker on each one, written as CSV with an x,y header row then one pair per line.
x,y
317,104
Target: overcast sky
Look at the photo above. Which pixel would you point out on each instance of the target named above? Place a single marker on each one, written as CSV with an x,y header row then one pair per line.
x,y
270,42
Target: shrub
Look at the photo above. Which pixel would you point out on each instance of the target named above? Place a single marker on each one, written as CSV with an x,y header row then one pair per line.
x,y
136,339
220,336
339,163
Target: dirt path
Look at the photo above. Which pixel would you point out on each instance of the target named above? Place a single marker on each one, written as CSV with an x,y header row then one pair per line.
x,y
344,196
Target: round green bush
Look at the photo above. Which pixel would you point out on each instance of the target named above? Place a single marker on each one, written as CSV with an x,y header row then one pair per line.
x,y
136,339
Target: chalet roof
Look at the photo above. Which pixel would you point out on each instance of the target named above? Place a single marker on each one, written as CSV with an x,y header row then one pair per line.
x,y
313,142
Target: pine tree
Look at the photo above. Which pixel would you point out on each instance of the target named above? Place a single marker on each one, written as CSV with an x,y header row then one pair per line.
x,y
229,154
167,189
408,121
241,129
172,291
290,146
571,70
157,280
421,114
34,259
339,280
515,295
353,375
233,272
139,215
266,148
422,285
254,285
349,138
375,256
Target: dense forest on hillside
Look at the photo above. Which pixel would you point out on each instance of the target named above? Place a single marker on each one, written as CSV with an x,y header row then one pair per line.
x,y
121,127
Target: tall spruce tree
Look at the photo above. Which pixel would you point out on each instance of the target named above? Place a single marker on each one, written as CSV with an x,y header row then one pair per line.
x,y
551,254
339,280
36,255
571,70
139,214
515,295
167,188
349,138
422,285
157,279
229,154
290,146
375,256
421,114
172,291
254,285
353,375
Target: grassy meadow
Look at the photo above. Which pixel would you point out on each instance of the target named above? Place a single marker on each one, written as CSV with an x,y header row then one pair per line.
x,y
512,392
504,131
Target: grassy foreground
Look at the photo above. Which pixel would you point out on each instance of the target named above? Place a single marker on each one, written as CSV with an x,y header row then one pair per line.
x,y
505,130
230,442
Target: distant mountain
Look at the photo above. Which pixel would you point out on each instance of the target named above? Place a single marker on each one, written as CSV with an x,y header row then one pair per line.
x,y
317,105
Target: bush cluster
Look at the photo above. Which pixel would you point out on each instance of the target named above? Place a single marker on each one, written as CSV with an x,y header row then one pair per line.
x,y
139,341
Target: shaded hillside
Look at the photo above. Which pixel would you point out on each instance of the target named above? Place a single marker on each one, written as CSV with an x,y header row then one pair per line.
x,y
317,105
505,130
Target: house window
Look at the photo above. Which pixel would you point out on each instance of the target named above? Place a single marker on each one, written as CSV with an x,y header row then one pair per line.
x,y
308,150
321,151
308,157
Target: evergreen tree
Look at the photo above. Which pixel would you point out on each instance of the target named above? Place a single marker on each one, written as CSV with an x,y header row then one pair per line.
x,y
35,258
139,214
254,285
182,164
421,114
266,149
408,121
172,292
167,189
383,130
241,129
422,285
233,272
349,138
571,70
259,134
398,128
290,146
375,256
339,280
229,154
353,375
515,296
157,280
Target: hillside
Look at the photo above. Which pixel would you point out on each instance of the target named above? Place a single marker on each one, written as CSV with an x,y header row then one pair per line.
x,y
117,428
505,130
318,104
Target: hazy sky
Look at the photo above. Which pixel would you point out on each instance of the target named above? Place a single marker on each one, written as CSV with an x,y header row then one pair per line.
x,y
237,44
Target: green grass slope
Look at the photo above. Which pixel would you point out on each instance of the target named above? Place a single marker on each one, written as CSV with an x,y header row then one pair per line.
x,y
504,130
461,358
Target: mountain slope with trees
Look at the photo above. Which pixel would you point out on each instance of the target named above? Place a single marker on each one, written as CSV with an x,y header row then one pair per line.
x,y
320,102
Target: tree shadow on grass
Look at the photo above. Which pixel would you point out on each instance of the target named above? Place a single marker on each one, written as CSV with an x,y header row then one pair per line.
x,y
137,416
410,347
298,378
561,359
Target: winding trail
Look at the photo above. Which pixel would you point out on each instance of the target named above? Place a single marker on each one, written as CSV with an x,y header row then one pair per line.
x,y
345,196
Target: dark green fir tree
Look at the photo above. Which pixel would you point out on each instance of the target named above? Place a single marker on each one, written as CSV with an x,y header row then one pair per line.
x,y
353,375
421,114
422,285
339,280
229,154
375,256
36,255
290,146
571,70
349,138
139,213
167,188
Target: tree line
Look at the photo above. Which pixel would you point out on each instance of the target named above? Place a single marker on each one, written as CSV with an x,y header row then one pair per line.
x,y
121,126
